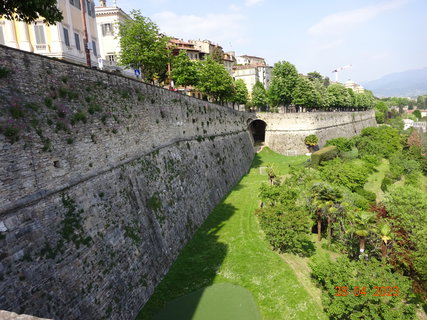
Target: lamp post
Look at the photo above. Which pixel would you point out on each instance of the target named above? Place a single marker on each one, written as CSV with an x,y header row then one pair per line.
x,y
85,40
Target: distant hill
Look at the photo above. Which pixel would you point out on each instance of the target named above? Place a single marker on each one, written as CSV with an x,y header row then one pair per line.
x,y
409,83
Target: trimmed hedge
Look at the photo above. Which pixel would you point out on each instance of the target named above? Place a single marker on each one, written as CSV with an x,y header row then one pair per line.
x,y
324,154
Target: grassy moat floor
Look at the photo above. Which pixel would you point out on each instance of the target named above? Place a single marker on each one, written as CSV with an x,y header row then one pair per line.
x,y
230,248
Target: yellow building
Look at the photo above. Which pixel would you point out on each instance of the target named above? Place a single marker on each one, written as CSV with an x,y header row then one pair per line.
x,y
63,40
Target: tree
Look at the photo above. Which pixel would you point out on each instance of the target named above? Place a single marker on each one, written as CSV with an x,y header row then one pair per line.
x,y
362,223
215,81
241,92
217,55
417,113
314,76
184,71
338,96
259,95
322,93
305,94
31,10
283,82
142,46
384,231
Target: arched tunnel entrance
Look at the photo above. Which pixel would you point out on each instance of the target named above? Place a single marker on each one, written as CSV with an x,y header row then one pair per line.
x,y
257,129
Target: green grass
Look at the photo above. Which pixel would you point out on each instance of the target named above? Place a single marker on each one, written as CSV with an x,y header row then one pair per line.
x,y
376,178
230,247
219,301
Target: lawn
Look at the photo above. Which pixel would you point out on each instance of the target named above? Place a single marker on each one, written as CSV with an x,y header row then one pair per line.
x,y
229,248
376,178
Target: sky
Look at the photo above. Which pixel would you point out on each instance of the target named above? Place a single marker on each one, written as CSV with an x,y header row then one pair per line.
x,y
375,37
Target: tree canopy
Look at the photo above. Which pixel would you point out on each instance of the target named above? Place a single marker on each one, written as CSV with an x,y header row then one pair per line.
x,y
184,71
215,81
259,95
283,82
143,47
241,92
31,10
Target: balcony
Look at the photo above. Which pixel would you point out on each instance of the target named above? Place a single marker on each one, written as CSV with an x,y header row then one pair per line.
x,y
41,48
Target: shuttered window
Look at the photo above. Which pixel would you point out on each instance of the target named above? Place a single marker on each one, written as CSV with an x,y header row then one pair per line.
x,y
77,40
95,53
66,37
39,32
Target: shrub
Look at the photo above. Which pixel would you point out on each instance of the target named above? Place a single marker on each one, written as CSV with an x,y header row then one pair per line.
x,y
4,72
386,183
350,155
287,229
382,141
357,295
311,140
79,116
348,174
368,195
342,144
323,154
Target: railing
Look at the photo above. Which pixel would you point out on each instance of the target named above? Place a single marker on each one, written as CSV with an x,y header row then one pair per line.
x,y
41,48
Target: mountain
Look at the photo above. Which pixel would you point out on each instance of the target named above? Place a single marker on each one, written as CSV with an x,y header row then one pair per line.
x,y
410,83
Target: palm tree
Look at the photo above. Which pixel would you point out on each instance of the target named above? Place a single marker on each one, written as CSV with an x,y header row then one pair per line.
x,y
363,223
384,231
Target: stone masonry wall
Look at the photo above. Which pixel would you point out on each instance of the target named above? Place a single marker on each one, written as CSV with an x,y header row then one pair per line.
x,y
285,132
103,180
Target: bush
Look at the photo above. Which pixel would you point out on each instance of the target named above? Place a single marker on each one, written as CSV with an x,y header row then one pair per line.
x,y
342,144
354,279
323,154
350,155
311,140
382,141
287,229
368,195
348,174
386,183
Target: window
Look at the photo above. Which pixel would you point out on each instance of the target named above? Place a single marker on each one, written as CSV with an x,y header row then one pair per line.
x,y
95,53
111,57
39,32
88,8
66,37
2,35
75,3
107,29
77,39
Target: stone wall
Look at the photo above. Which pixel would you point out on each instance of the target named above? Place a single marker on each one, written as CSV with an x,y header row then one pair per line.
x,y
103,180
285,132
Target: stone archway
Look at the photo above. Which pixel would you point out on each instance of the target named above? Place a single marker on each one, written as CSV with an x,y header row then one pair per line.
x,y
257,129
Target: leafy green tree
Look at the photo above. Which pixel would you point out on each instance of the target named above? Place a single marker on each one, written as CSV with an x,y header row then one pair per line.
x,y
382,141
353,289
241,92
259,95
417,113
215,81
338,96
322,93
217,55
184,71
31,10
305,94
362,224
384,231
314,76
283,82
364,100
142,46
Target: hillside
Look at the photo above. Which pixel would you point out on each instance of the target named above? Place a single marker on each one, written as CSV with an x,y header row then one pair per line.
x,y
410,83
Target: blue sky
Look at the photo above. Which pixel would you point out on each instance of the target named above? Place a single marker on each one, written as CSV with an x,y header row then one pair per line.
x,y
375,37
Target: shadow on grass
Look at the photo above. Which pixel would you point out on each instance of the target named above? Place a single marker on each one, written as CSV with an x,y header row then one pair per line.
x,y
195,267
257,161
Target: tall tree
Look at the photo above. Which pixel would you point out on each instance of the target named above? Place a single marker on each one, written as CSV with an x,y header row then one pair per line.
x,y
143,47
305,94
217,55
215,81
31,10
241,92
259,95
362,224
283,82
184,71
314,75
338,96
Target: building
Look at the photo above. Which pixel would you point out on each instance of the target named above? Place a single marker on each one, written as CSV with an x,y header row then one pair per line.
x,y
356,87
65,40
229,61
252,73
206,48
188,47
250,60
107,21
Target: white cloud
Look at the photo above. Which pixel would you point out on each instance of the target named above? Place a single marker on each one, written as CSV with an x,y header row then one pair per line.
x,y
223,29
251,3
341,22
